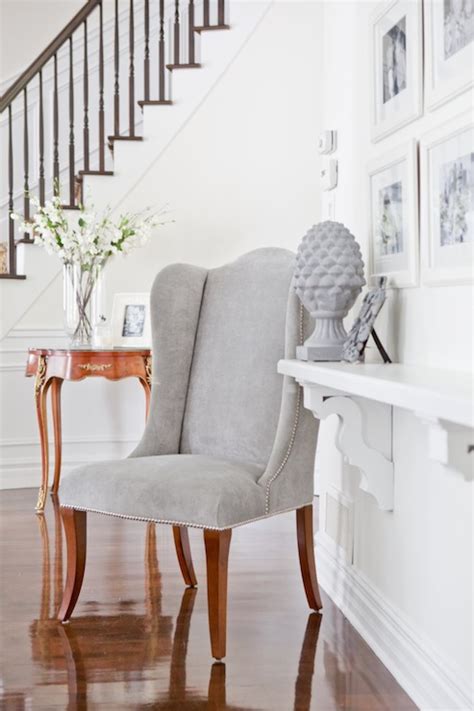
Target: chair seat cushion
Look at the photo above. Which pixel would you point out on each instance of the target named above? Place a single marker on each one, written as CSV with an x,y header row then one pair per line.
x,y
184,489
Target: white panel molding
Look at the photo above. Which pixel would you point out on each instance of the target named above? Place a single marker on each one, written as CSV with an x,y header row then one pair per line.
x,y
20,465
428,678
20,456
14,347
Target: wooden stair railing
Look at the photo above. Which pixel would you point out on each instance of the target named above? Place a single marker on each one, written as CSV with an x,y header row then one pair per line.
x,y
48,60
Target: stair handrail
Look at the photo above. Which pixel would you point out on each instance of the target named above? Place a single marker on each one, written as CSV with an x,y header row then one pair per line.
x,y
47,54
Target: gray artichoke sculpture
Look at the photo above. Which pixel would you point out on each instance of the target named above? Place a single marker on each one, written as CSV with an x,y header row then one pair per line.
x,y
329,275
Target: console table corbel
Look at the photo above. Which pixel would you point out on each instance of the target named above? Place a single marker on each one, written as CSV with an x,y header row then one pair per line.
x,y
51,367
441,399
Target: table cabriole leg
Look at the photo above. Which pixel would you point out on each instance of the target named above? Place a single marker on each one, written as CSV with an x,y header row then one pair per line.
x,y
146,387
56,408
42,386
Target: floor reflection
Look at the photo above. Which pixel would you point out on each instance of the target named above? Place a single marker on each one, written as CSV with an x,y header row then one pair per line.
x,y
134,659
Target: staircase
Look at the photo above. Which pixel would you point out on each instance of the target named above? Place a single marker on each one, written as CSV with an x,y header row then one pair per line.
x,y
101,99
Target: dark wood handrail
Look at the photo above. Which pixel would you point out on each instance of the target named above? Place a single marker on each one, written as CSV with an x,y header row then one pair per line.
x,y
18,86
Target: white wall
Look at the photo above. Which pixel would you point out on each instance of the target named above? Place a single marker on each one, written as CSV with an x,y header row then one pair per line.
x,y
242,173
27,27
418,558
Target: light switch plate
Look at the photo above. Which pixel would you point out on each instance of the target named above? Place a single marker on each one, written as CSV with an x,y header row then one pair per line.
x,y
327,142
329,174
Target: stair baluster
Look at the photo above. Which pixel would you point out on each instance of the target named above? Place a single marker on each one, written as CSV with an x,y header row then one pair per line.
x,y
86,103
176,33
11,205
206,14
131,78
116,73
72,178
146,61
191,35
101,91
26,185
161,53
56,129
220,12
41,182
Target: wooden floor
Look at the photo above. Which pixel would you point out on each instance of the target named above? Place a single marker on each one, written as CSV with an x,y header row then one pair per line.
x,y
138,640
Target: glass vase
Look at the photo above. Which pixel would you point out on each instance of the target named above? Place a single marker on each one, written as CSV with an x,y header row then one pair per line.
x,y
83,302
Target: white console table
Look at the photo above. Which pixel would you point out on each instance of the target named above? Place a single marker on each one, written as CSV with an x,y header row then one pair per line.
x,y
442,399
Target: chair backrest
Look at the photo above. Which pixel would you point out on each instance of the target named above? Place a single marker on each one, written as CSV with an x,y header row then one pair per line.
x,y
234,392
217,337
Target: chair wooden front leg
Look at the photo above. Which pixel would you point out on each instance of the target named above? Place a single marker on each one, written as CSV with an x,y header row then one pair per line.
x,y
75,528
304,527
183,551
217,555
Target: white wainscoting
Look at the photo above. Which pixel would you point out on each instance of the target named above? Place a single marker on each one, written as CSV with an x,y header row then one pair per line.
x,y
101,419
420,668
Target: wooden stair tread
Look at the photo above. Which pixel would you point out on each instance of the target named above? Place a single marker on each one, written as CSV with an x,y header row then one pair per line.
x,y
209,28
157,102
95,172
124,138
182,66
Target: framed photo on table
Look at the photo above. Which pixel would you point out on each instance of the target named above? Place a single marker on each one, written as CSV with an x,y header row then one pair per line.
x,y
393,209
131,320
449,49
397,41
447,207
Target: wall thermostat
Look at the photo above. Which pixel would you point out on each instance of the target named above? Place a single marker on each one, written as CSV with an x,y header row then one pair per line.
x,y
329,175
327,142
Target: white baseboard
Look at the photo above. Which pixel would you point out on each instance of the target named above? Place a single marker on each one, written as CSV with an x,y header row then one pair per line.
x,y
418,667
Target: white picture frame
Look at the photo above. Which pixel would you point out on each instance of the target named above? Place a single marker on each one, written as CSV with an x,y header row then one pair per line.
x,y
447,202
449,53
397,71
393,214
131,320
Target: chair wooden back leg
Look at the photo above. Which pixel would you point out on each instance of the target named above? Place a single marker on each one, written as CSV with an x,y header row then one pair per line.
x,y
75,529
217,556
183,551
304,528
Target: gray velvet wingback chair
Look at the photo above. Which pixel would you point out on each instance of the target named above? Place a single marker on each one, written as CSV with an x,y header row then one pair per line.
x,y
227,440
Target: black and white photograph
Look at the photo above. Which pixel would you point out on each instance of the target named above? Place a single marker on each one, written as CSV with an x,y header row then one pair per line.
x,y
390,225
458,25
447,217
395,60
456,200
133,320
393,205
449,38
397,77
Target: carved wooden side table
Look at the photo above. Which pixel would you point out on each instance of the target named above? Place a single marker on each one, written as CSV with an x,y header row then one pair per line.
x,y
52,366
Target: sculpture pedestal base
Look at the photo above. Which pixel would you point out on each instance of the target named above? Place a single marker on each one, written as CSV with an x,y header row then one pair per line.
x,y
326,341
319,353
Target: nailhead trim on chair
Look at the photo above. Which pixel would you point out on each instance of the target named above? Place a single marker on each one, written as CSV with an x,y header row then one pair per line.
x,y
269,483
183,523
294,428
